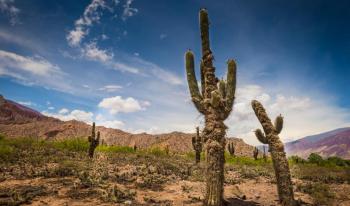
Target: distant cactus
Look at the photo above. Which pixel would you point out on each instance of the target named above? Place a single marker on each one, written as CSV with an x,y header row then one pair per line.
x,y
197,145
264,154
135,147
280,163
214,101
255,153
231,149
94,141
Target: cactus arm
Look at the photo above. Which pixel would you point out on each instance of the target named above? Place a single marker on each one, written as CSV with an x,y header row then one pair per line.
x,y
261,136
279,124
262,117
230,85
192,82
204,27
98,138
222,89
202,78
194,143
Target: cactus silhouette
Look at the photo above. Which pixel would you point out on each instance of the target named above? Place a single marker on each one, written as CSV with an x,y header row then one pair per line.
x,y
197,145
264,154
255,153
280,163
231,149
214,101
93,140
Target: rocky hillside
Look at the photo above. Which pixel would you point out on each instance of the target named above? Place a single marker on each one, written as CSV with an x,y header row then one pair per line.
x,y
20,121
332,143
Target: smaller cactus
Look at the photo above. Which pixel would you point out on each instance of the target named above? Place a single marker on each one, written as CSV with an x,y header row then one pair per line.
x,y
231,149
255,153
197,145
278,155
135,147
264,155
94,141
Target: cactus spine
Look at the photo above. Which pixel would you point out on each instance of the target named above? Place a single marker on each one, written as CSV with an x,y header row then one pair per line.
x,y
255,153
214,101
231,149
93,140
197,145
280,163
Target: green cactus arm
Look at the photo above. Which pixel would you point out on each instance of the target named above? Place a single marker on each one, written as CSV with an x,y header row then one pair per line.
x,y
261,136
230,84
222,88
192,82
261,114
202,78
204,27
279,124
93,130
98,137
215,98
194,142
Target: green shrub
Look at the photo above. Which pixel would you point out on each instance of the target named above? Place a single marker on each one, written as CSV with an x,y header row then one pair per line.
x,y
72,144
116,149
156,151
315,159
320,193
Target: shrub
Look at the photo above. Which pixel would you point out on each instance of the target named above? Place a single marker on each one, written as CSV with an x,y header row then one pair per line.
x,y
72,144
116,149
320,193
315,159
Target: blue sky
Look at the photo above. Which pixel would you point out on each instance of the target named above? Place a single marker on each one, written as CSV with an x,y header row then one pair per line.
x,y
120,63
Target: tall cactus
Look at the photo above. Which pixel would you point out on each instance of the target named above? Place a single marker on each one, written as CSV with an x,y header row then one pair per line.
x,y
231,149
280,163
93,140
255,153
197,145
214,101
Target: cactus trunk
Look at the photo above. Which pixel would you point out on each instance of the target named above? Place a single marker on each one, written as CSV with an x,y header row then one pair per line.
x,y
214,101
94,141
279,159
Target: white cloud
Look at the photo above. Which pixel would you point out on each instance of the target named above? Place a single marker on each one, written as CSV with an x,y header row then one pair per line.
x,y
92,52
79,115
27,103
128,10
114,124
63,111
34,65
118,104
110,88
7,7
76,35
51,108
303,115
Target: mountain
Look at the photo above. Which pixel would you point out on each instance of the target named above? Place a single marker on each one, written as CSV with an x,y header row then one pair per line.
x,y
332,143
20,121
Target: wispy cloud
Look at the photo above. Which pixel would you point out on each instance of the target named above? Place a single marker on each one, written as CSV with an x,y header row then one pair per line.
x,y
7,7
90,16
128,10
92,52
27,103
110,88
34,65
35,70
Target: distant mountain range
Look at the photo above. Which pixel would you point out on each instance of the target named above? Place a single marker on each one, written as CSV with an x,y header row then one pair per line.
x,y
17,120
332,143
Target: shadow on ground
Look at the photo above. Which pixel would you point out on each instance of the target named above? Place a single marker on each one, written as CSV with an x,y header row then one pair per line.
x,y
239,202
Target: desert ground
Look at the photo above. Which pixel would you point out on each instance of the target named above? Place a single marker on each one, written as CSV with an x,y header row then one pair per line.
x,y
34,172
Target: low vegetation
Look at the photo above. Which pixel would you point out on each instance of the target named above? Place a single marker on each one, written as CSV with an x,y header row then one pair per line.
x,y
119,174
